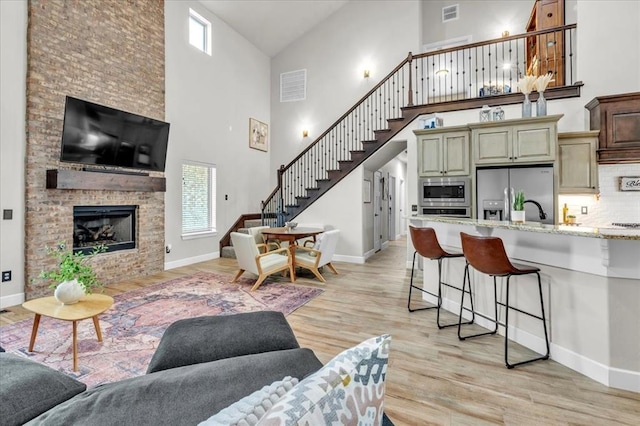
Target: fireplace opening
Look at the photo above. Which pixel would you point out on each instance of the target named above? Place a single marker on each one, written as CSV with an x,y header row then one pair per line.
x,y
113,226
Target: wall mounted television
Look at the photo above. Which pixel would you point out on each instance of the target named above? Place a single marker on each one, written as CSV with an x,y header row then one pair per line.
x,y
97,135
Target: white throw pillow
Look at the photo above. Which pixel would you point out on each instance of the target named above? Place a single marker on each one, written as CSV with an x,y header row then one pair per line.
x,y
251,408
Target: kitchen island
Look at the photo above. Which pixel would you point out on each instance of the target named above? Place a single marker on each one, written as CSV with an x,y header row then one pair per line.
x,y
591,285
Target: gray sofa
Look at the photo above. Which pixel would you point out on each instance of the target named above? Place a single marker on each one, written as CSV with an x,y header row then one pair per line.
x,y
201,366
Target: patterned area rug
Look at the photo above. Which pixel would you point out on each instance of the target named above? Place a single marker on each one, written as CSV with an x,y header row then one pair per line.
x,y
132,328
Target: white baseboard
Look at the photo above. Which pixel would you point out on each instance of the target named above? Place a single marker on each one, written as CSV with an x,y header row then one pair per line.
x,y
349,259
191,260
385,245
608,376
11,300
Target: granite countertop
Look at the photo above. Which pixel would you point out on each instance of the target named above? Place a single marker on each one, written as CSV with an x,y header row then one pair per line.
x,y
580,231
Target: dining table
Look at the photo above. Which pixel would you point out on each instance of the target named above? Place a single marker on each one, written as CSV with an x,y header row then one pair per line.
x,y
291,235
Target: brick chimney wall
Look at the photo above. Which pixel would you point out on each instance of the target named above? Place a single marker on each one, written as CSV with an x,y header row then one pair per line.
x,y
108,52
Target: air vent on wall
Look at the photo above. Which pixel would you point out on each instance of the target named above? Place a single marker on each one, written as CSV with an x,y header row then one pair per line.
x,y
450,13
293,86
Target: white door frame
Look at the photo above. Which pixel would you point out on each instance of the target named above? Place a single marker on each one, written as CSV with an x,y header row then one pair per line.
x,y
377,211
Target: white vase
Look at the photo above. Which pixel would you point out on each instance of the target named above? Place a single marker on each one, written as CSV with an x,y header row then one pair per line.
x,y
526,106
541,105
517,215
68,292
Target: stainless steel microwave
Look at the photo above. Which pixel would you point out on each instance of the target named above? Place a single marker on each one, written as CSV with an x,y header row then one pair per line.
x,y
444,192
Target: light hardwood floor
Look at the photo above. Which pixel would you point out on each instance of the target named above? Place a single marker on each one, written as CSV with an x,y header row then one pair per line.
x,y
432,378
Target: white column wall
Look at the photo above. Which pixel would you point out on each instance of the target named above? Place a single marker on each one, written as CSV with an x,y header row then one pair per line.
x,y
13,82
209,100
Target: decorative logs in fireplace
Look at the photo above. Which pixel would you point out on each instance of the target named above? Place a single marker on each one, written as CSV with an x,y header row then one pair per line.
x,y
112,226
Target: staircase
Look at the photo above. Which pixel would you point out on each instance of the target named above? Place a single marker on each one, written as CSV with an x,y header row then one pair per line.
x,y
228,251
413,88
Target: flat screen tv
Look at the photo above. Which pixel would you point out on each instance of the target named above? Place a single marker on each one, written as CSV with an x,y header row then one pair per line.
x,y
97,135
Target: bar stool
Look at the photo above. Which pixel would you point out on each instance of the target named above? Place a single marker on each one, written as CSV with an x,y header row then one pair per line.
x,y
487,255
426,244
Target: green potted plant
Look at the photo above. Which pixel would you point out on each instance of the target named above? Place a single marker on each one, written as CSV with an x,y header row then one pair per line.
x,y
73,277
517,214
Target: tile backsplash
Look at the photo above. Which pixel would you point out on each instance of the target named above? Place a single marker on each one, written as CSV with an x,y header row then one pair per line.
x,y
613,205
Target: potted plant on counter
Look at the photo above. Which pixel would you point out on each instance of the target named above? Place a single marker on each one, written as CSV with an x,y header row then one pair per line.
x,y
73,277
517,214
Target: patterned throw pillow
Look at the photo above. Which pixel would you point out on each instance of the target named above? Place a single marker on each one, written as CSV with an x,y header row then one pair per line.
x,y
251,408
349,390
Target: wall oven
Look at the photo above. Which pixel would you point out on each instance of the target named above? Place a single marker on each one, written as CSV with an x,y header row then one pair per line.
x,y
449,196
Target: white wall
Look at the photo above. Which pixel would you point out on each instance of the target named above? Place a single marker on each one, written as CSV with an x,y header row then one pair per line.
x,y
341,208
505,15
209,100
362,34
13,59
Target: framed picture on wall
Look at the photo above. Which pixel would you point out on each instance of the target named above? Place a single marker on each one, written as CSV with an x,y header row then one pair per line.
x,y
366,191
258,135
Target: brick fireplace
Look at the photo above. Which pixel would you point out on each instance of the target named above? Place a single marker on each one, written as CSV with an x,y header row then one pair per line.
x,y
111,53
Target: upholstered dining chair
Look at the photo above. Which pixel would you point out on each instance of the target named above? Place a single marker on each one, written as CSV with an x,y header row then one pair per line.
x,y
263,246
262,264
321,254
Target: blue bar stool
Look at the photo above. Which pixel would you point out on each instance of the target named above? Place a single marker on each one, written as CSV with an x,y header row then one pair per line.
x,y
426,244
487,255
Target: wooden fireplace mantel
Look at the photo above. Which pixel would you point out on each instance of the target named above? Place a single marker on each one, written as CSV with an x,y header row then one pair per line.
x,y
98,181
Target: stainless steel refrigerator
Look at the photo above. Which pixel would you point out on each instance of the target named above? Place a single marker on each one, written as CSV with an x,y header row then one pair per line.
x,y
495,188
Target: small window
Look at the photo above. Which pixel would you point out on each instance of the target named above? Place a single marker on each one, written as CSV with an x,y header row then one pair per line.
x,y
198,199
199,32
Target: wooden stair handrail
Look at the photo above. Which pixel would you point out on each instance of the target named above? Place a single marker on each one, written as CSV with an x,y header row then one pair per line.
x,y
353,108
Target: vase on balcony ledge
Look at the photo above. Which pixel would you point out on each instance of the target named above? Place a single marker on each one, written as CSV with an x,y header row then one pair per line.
x,y
526,106
541,105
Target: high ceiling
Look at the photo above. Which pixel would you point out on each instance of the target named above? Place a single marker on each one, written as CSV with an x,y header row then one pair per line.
x,y
272,25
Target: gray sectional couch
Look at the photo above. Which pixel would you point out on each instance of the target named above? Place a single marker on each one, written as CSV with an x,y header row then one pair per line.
x,y
201,366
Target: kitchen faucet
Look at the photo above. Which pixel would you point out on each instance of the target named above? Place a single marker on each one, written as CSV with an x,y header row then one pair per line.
x,y
543,215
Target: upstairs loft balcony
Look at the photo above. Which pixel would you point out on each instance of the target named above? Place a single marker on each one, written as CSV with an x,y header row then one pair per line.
x,y
476,74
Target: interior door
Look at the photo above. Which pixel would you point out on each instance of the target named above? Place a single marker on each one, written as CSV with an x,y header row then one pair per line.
x,y
377,211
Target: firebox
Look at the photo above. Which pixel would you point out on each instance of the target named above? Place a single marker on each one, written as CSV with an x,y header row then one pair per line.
x,y
113,226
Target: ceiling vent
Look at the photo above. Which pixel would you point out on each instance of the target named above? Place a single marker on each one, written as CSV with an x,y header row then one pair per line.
x,y
450,13
293,86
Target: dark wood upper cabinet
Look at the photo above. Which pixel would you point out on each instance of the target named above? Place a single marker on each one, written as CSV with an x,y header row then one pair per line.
x,y
618,119
545,52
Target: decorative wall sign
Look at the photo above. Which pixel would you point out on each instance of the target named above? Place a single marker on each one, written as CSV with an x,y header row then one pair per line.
x,y
258,135
630,183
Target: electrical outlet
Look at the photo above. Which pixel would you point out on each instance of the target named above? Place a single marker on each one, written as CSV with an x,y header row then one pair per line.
x,y
583,210
6,276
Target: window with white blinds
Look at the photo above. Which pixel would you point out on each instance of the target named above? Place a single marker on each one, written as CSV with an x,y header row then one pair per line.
x,y
198,199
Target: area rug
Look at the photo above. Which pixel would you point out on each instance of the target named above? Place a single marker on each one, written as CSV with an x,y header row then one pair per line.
x,y
132,328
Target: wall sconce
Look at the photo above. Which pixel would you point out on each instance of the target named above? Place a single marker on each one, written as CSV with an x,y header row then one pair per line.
x,y
442,72
366,73
305,133
505,33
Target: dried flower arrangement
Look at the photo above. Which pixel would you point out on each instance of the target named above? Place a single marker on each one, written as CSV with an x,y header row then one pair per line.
x,y
526,84
542,82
